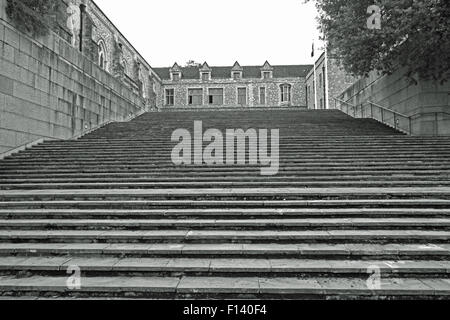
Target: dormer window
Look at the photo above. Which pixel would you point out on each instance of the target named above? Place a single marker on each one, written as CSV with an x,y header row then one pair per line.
x,y
236,71
205,72
267,75
176,76
175,72
267,71
237,75
206,76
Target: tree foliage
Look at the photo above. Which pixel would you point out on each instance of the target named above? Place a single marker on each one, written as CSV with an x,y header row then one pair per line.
x,y
34,16
414,35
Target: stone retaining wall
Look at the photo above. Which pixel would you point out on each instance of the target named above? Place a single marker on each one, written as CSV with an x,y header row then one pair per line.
x,y
427,101
48,89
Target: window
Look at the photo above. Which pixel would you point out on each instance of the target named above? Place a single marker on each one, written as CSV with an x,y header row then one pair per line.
x,y
320,81
321,103
205,76
286,93
266,74
262,95
242,96
195,97
307,95
175,76
216,96
102,62
170,97
236,75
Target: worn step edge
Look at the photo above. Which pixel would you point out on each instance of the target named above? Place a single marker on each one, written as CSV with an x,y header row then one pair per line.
x,y
266,265
221,249
214,285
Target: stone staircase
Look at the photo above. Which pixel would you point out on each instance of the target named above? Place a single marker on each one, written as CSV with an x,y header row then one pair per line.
x,y
353,199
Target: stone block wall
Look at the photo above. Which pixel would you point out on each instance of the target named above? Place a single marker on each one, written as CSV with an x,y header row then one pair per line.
x,y
48,89
338,81
427,102
230,87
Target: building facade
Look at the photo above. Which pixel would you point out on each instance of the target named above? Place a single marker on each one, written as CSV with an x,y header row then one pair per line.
x,y
86,27
234,86
330,81
105,45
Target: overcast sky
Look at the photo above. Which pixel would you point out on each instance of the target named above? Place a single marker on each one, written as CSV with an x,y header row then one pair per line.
x,y
217,31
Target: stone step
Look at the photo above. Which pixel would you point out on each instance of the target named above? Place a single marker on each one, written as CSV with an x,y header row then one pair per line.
x,y
164,132
255,170
350,250
90,265
158,134
295,159
248,213
226,236
298,139
284,193
284,143
228,224
319,143
176,172
308,148
181,181
159,175
284,154
238,287
165,160
167,163
294,138
288,146
162,140
151,130
242,184
145,178
113,204
198,204
312,126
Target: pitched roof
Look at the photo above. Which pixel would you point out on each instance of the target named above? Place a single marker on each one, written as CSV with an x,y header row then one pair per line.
x,y
205,67
267,66
237,67
175,67
282,71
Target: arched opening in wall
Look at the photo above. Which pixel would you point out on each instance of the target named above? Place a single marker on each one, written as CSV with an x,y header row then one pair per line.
x,y
102,56
286,93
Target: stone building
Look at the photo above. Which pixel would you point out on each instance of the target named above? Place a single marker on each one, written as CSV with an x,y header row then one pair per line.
x,y
251,86
104,44
331,81
248,86
59,85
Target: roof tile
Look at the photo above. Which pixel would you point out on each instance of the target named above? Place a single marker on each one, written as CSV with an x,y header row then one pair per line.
x,y
282,71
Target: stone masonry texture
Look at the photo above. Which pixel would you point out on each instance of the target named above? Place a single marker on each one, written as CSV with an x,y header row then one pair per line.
x,y
48,89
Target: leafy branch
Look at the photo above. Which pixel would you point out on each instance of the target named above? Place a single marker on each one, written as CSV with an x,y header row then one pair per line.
x,y
414,35
36,17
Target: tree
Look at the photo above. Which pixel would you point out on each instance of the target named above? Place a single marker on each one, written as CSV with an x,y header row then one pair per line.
x,y
34,16
414,35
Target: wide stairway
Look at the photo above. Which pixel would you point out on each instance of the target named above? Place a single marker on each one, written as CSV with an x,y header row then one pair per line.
x,y
357,210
